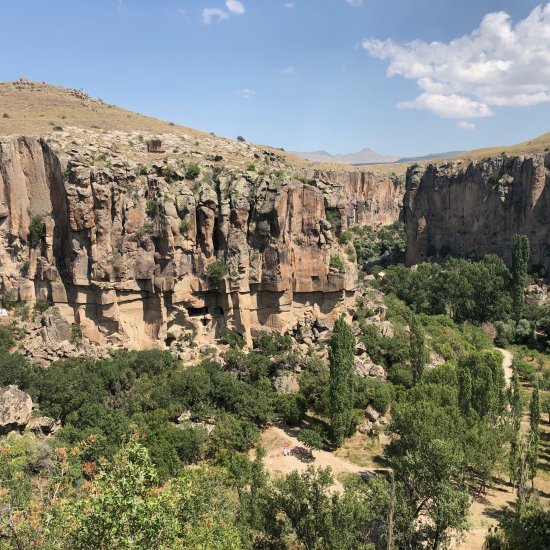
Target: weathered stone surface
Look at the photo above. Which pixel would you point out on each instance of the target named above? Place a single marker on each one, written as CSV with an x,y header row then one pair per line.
x,y
43,425
474,210
128,242
15,409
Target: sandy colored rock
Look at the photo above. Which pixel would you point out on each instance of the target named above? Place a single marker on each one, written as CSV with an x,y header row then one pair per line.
x,y
15,409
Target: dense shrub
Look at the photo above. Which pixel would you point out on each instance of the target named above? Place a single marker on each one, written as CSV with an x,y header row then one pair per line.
x,y
37,227
272,343
192,171
216,272
291,408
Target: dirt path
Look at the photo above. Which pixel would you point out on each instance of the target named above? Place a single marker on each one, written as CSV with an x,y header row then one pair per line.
x,y
273,440
507,364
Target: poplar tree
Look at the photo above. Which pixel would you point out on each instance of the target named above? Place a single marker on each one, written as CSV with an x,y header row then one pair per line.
x,y
341,384
534,433
520,261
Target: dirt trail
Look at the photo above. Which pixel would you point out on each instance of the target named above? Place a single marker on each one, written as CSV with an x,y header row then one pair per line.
x,y
273,440
507,364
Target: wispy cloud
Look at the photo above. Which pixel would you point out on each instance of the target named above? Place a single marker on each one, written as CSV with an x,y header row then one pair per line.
x,y
355,3
213,14
235,7
289,5
288,70
247,93
498,64
466,125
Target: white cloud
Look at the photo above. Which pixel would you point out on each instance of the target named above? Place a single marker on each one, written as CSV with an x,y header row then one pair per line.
x,y
288,70
498,64
247,93
289,5
211,14
448,106
355,3
235,7
466,125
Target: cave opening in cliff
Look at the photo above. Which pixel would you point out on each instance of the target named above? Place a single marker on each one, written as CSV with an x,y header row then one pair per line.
x,y
197,311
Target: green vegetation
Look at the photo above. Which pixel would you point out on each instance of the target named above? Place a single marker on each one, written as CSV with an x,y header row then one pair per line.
x,y
216,272
231,338
169,174
76,333
374,245
192,171
520,260
37,228
241,139
336,263
341,381
152,208
184,227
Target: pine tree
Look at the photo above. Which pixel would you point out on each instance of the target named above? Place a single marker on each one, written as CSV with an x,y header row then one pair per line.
x,y
520,261
341,384
418,351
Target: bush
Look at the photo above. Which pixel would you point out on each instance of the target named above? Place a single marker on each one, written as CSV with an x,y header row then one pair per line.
x,y
336,263
169,173
216,272
152,208
41,306
192,171
291,408
346,236
76,333
231,338
272,343
37,227
241,139
525,370
374,392
184,227
7,299
401,375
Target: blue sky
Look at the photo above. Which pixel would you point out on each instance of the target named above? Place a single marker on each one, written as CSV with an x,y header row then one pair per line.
x,y
303,75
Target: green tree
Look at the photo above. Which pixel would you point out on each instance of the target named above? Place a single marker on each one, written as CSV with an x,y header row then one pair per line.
x,y
122,510
312,439
534,433
341,380
419,353
520,261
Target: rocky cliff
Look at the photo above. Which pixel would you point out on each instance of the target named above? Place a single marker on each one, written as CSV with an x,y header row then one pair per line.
x,y
472,209
119,234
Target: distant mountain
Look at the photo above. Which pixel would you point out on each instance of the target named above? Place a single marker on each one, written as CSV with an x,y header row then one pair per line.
x,y
431,156
365,156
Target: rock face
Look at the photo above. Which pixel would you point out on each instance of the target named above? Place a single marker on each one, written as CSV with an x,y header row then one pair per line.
x,y
126,241
15,409
474,210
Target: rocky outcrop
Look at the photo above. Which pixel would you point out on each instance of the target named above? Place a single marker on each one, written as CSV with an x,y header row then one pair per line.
x,y
121,240
362,198
476,209
15,409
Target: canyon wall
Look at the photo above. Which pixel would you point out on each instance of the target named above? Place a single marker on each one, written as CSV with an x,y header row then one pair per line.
x,y
475,209
125,247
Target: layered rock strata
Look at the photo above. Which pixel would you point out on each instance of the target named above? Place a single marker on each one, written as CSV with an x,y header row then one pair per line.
x,y
475,209
122,244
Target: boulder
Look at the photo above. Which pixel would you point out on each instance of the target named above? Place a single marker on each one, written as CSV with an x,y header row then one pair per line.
x,y
372,414
15,409
43,425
